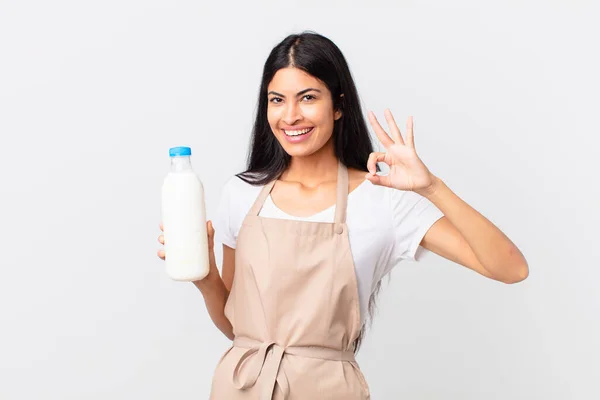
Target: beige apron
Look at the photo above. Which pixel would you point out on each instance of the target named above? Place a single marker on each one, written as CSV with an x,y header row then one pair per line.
x,y
294,310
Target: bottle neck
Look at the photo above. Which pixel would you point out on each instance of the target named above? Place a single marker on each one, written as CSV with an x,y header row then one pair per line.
x,y
181,164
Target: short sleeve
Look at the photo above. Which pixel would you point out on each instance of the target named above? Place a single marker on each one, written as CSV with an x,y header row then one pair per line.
x,y
225,232
412,216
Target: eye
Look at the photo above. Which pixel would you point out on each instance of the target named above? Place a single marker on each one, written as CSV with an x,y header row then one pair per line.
x,y
308,97
275,100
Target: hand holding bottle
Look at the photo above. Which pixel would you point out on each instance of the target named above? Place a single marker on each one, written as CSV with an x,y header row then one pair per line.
x,y
211,244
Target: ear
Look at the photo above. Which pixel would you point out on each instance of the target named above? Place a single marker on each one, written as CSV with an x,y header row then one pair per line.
x,y
340,106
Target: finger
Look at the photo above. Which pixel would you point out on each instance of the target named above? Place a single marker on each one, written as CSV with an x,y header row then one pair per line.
x,y
374,158
161,254
211,235
161,226
395,131
410,136
161,239
380,180
379,131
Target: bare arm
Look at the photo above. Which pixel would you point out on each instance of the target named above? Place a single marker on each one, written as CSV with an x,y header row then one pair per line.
x,y
214,288
466,237
463,235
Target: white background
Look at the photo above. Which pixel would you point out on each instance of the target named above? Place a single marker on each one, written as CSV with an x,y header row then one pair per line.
x,y
92,95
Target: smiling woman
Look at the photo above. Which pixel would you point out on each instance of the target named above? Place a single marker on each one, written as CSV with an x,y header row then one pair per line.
x,y
310,229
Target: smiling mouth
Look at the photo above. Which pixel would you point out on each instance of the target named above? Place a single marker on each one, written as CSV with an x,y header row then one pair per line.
x,y
298,132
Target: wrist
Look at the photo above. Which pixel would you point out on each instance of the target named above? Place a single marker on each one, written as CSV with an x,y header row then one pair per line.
x,y
432,189
209,281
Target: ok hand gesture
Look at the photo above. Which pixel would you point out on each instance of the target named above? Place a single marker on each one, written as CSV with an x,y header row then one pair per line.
x,y
407,171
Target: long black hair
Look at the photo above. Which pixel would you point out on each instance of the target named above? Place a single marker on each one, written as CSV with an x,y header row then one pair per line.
x,y
320,57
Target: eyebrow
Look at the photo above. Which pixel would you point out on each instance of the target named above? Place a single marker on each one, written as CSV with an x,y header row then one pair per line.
x,y
300,93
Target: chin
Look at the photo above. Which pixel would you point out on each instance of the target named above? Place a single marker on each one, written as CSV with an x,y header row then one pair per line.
x,y
298,151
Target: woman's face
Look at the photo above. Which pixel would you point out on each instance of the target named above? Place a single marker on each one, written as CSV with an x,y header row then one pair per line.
x,y
300,112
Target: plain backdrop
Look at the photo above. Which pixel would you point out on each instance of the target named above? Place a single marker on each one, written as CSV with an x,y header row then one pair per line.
x,y
93,94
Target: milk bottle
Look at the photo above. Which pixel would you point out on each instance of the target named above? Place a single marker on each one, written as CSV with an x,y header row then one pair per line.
x,y
184,220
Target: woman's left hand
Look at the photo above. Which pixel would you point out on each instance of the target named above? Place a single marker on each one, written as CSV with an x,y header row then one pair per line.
x,y
407,171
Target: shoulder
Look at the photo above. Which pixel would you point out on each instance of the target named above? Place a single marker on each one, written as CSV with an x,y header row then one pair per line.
x,y
388,203
236,189
391,219
237,198
363,193
382,195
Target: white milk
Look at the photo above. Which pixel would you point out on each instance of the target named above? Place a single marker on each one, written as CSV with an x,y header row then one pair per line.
x,y
184,220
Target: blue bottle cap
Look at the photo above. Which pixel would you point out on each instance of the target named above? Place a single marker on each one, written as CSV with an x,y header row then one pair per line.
x,y
180,151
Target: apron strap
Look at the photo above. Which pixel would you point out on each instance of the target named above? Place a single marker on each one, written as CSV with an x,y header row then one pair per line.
x,y
341,198
260,200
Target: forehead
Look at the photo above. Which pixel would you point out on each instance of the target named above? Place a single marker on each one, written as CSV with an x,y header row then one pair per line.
x,y
294,80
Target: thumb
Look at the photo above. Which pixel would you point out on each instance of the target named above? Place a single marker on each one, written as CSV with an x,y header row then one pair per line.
x,y
211,233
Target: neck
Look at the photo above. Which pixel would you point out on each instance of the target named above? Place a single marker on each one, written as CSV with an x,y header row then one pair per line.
x,y
314,169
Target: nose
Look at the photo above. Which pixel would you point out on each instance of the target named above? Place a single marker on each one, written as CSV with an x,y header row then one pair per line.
x,y
292,113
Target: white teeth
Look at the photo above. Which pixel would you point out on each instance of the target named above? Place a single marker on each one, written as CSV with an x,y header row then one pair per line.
x,y
296,133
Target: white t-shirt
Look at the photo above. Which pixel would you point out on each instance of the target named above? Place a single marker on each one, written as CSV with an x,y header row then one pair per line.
x,y
385,226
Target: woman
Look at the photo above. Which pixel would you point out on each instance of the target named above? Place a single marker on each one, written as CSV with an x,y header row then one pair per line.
x,y
310,229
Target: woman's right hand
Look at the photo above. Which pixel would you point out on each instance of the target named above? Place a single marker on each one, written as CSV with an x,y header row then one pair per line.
x,y
211,244
212,287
